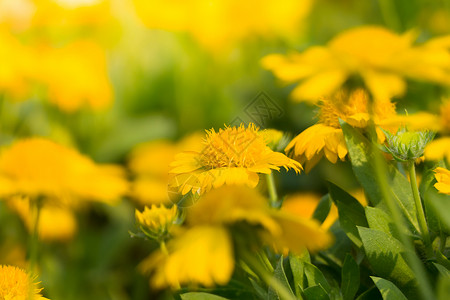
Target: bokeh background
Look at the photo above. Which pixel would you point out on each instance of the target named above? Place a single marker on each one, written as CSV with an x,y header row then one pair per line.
x,y
106,76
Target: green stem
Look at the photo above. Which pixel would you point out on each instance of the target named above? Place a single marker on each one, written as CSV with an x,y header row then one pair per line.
x,y
267,277
273,196
34,238
399,222
162,246
419,207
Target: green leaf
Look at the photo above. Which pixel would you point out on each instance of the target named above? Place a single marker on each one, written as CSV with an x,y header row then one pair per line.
x,y
363,163
316,293
443,288
322,209
350,278
297,266
280,275
379,220
386,257
442,270
370,294
351,212
260,291
200,296
387,289
438,207
315,277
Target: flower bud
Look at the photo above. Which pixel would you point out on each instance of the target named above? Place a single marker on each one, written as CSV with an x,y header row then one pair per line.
x,y
155,222
407,145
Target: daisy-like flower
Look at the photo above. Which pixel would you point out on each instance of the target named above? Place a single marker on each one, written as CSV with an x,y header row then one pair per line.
x,y
380,57
156,221
15,284
326,137
219,24
38,167
443,180
149,163
56,222
203,253
234,155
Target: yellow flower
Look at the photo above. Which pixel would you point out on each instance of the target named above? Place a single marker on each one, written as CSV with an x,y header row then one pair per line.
x,y
234,155
272,137
380,57
14,73
39,167
443,180
232,204
201,255
75,76
157,220
326,137
15,284
150,162
56,223
219,24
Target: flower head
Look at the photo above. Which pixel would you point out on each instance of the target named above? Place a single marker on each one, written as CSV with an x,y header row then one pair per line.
x,y
39,167
15,284
443,180
56,223
201,255
149,163
326,137
219,24
234,155
408,145
156,221
379,56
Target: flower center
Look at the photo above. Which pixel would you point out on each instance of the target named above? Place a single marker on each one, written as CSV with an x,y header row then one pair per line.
x,y
343,105
232,147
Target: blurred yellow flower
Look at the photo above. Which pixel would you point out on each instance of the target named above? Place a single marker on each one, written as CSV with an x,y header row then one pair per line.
x,y
304,205
63,15
56,223
150,161
15,284
15,74
443,180
234,155
39,167
380,57
232,204
201,255
218,24
272,137
157,220
75,76
326,137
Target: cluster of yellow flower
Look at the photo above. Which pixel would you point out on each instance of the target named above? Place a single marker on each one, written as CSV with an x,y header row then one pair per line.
x,y
70,73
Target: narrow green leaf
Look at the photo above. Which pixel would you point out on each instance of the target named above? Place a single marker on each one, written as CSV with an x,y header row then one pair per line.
x,y
442,270
351,212
316,293
280,275
362,159
260,291
315,277
322,209
350,278
200,296
297,266
386,257
387,289
370,294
